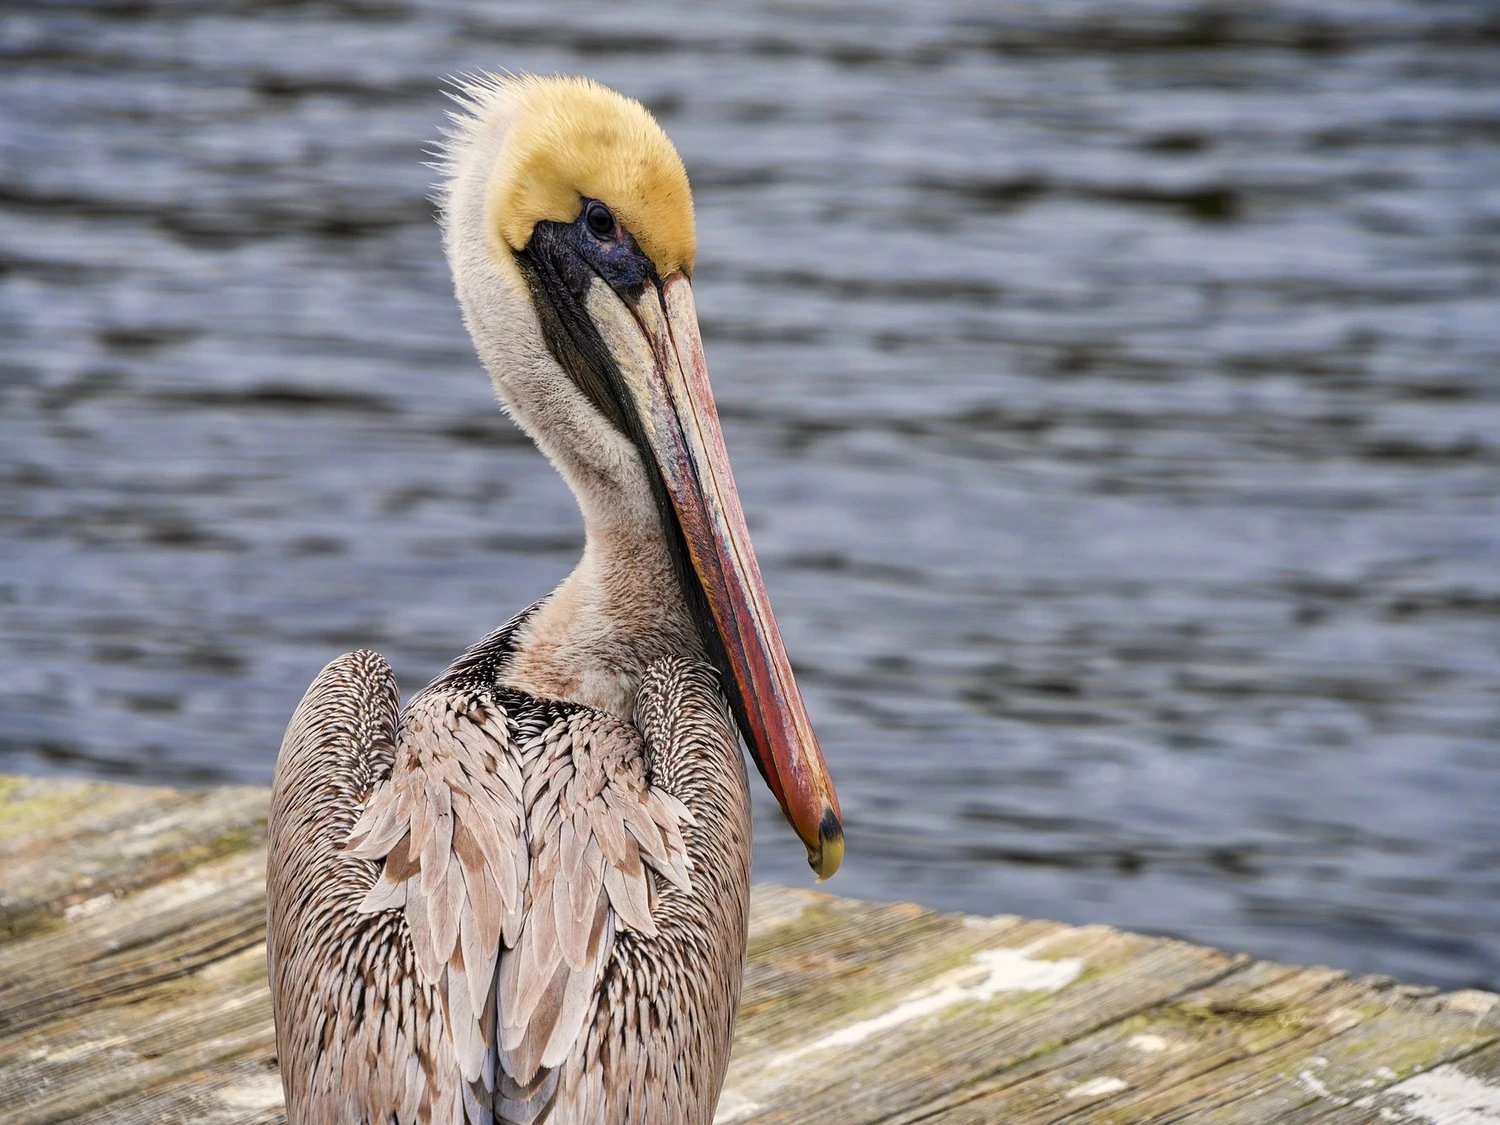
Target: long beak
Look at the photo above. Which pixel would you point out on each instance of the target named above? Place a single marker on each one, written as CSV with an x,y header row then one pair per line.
x,y
655,342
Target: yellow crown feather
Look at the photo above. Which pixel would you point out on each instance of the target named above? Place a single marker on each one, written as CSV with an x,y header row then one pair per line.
x,y
571,139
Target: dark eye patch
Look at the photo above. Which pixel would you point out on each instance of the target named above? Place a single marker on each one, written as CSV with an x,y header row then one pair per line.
x,y
559,278
597,238
560,262
578,251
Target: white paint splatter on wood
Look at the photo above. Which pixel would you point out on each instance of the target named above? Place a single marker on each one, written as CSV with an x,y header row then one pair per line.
x,y
256,1093
1098,1087
1446,1095
1003,970
1313,1085
734,1106
88,906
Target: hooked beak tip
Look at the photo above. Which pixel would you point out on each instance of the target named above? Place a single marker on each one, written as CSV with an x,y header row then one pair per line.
x,y
826,856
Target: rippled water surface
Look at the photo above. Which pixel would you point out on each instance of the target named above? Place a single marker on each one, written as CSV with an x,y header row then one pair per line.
x,y
1113,386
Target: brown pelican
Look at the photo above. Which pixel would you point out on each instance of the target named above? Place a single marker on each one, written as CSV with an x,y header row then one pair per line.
x,y
522,898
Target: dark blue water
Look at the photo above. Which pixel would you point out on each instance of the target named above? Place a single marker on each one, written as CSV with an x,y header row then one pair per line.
x,y
1113,386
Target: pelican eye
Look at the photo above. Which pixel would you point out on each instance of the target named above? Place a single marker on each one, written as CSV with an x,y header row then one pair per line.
x,y
600,219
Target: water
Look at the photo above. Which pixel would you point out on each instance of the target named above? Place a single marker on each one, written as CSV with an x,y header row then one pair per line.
x,y
1114,389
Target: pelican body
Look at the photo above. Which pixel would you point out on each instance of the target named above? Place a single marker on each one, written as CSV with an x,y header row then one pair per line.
x,y
523,897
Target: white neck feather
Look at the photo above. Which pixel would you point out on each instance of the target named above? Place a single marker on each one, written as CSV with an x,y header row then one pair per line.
x,y
622,607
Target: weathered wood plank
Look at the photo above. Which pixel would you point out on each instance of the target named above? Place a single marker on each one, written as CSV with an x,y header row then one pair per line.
x,y
1009,990
1269,1043
107,1060
132,989
1464,1092
65,845
134,946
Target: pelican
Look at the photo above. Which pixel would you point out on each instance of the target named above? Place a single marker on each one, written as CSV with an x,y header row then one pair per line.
x,y
523,896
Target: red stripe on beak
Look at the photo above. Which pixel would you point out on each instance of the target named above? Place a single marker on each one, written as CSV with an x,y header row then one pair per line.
x,y
681,427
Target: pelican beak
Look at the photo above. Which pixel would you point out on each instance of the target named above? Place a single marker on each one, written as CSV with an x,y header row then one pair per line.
x,y
654,341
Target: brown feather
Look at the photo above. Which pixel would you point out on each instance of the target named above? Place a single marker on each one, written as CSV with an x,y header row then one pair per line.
x,y
549,948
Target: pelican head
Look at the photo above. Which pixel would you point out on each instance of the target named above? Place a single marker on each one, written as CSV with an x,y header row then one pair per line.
x,y
568,223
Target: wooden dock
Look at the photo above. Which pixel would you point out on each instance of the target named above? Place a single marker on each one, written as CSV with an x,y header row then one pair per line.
x,y
133,990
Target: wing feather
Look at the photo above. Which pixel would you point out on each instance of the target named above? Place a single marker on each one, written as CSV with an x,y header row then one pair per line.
x,y
506,845
457,870
587,803
355,1031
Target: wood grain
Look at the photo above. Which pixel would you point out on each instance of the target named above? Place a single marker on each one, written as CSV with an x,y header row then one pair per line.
x,y
133,990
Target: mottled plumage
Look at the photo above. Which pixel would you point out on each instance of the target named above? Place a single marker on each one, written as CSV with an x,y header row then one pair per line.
x,y
521,908
522,898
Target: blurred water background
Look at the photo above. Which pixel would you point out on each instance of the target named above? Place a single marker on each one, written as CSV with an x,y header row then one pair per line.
x,y
1113,386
